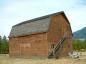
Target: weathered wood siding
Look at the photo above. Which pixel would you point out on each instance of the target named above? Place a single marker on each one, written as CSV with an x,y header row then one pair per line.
x,y
35,45
58,27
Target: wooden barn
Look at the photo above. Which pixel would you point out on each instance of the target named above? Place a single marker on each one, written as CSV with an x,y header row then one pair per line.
x,y
48,36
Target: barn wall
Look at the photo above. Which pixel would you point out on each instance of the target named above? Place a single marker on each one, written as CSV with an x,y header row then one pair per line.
x,y
55,29
58,27
68,42
35,45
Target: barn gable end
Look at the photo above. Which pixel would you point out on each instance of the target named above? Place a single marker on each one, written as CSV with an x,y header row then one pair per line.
x,y
58,28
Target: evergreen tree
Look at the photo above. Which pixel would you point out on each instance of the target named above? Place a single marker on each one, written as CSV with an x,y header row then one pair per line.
x,y
84,43
4,45
0,43
77,44
0,39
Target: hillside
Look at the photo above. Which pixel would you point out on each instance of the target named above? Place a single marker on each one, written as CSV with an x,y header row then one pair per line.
x,y
80,33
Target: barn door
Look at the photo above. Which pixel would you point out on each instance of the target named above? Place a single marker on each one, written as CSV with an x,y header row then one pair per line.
x,y
25,49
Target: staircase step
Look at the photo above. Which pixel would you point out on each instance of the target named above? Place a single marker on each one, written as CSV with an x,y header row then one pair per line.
x,y
57,47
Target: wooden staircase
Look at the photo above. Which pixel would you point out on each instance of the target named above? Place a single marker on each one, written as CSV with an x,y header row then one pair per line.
x,y
55,51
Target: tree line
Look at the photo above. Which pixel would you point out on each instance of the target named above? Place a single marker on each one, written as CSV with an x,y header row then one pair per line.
x,y
79,45
4,48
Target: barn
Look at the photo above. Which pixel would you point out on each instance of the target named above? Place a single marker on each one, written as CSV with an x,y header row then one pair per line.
x,y
49,36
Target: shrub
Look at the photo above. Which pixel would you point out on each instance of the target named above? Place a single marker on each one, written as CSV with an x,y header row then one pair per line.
x,y
79,44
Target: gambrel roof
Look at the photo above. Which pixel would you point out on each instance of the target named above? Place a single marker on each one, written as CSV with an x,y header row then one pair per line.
x,y
37,25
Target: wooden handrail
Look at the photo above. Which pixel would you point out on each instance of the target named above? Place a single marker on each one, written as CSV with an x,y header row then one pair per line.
x,y
57,46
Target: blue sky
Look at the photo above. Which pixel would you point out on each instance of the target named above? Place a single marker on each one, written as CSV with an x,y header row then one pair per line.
x,y
16,11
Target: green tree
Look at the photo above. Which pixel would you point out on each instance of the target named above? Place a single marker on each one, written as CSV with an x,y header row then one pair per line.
x,y
84,43
0,43
0,39
4,45
77,44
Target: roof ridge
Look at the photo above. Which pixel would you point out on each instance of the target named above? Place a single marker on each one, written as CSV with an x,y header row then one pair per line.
x,y
39,18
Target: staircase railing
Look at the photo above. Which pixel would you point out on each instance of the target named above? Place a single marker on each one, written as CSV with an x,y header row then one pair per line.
x,y
56,48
